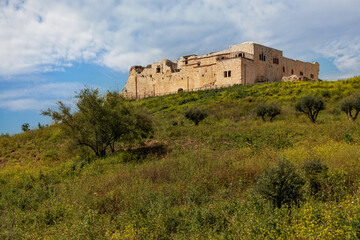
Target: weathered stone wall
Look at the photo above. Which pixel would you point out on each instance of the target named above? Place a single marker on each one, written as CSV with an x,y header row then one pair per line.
x,y
246,63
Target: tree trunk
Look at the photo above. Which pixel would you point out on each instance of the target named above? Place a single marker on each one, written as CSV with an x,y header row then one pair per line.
x,y
112,146
102,153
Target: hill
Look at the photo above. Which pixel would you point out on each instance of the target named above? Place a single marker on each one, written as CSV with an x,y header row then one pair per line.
x,y
192,181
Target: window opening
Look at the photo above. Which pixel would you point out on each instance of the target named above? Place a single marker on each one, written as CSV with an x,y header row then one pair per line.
x,y
225,74
301,73
158,70
283,69
262,57
229,74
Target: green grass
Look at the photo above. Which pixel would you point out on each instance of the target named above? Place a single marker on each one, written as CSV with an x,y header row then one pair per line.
x,y
189,181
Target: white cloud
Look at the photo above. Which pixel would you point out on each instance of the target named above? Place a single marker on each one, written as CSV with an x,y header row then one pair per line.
x,y
25,104
345,52
36,35
38,97
119,61
42,35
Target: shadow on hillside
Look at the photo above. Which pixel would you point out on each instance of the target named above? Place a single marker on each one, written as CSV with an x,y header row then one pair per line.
x,y
141,153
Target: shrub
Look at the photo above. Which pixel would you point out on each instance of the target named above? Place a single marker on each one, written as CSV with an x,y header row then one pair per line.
x,y
195,114
25,127
280,184
326,94
351,107
271,110
315,173
310,106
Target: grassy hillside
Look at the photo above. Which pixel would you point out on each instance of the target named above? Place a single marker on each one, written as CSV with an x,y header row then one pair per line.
x,y
190,181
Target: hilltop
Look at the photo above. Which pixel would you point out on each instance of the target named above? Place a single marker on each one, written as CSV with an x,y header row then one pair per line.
x,y
190,181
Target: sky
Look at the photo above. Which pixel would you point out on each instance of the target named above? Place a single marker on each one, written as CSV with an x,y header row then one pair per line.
x,y
51,49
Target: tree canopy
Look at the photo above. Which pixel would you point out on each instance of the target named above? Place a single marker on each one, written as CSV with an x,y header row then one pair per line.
x,y
310,106
271,110
196,114
351,107
100,121
25,127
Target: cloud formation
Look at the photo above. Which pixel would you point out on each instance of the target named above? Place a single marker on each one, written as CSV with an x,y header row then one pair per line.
x,y
42,35
345,52
37,97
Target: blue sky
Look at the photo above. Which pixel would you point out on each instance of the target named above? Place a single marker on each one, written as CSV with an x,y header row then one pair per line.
x,y
50,49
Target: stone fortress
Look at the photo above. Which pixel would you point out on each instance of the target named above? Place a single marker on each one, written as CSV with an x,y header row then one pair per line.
x,y
246,63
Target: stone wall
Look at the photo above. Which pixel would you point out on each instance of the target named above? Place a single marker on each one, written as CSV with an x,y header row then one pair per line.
x,y
246,63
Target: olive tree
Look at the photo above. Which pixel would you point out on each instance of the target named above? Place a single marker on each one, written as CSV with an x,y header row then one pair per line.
x,y
271,110
351,107
195,114
310,106
100,122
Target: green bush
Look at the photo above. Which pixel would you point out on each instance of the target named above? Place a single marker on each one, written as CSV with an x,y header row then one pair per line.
x,y
25,127
280,184
315,173
196,114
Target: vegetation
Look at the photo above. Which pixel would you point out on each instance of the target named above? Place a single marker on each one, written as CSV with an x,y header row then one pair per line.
x,y
281,184
25,127
310,106
195,114
101,122
351,107
191,182
316,174
271,110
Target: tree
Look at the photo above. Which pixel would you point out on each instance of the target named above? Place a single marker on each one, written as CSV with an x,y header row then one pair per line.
x,y
261,111
196,114
271,110
100,122
280,184
25,127
351,107
310,106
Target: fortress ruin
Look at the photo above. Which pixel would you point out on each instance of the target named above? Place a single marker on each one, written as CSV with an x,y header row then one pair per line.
x,y
246,63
